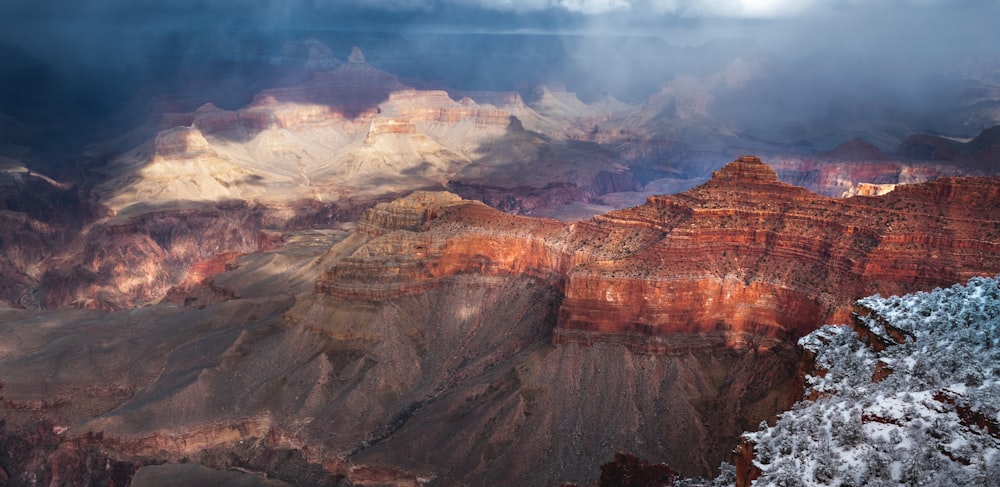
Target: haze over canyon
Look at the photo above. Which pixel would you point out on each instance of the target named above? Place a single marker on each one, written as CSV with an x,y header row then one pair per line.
x,y
462,243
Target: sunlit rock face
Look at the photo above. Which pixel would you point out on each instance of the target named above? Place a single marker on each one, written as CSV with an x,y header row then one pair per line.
x,y
427,237
746,253
208,301
297,156
743,255
725,274
352,135
354,131
442,340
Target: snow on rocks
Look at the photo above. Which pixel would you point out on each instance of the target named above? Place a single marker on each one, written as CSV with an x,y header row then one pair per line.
x,y
931,420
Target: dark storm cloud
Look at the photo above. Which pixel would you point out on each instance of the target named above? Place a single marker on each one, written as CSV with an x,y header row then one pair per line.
x,y
30,21
815,52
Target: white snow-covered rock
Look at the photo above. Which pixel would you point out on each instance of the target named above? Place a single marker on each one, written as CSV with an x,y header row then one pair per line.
x,y
932,421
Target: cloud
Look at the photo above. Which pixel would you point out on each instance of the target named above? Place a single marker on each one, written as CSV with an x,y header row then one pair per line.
x,y
747,8
595,6
688,8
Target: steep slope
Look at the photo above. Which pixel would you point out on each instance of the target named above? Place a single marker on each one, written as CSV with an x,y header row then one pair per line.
x,y
444,342
310,152
650,281
350,132
744,253
298,156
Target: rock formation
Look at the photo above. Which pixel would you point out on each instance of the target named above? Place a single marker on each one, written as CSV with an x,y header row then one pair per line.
x,y
205,302
37,218
790,257
743,262
859,168
331,136
783,257
297,156
353,135
130,260
446,342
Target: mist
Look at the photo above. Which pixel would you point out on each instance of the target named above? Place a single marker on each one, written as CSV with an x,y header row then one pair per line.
x,y
779,70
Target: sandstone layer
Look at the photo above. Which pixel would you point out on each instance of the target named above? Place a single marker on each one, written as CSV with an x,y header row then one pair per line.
x,y
352,135
443,342
743,254
747,253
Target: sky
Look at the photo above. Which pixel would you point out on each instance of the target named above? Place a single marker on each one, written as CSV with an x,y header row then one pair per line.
x,y
477,14
960,25
828,49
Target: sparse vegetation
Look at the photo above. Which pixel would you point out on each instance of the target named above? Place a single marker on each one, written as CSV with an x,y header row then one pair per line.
x,y
932,421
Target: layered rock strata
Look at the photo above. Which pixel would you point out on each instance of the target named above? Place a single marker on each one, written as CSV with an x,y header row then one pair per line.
x,y
330,137
445,342
743,257
716,281
745,253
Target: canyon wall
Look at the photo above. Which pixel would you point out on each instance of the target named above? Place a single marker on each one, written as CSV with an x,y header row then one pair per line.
x,y
675,318
445,342
742,256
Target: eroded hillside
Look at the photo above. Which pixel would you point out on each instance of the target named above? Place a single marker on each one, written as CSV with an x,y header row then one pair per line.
x,y
441,341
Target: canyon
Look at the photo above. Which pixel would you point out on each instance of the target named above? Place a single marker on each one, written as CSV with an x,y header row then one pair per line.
x,y
340,276
321,150
366,354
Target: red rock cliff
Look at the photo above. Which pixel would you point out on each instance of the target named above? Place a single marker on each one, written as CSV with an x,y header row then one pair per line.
x,y
744,258
750,256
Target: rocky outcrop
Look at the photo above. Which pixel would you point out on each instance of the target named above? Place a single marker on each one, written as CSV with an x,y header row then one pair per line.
x,y
425,238
746,471
741,263
445,341
320,143
840,176
869,189
197,287
745,253
329,137
744,257
353,92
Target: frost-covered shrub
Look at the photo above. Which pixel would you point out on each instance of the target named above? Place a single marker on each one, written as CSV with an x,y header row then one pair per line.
x,y
918,426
